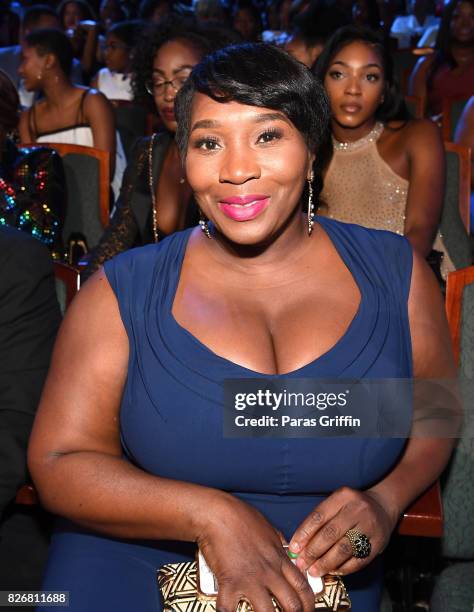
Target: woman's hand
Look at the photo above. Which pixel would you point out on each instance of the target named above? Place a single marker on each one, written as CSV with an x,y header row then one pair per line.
x,y
248,560
320,540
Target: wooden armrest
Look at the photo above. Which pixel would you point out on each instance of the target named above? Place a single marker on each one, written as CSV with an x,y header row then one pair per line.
x,y
425,516
27,496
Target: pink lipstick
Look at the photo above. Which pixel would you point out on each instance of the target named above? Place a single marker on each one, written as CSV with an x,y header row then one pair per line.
x,y
244,208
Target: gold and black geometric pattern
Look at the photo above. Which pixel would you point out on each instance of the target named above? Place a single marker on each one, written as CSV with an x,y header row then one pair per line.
x,y
179,588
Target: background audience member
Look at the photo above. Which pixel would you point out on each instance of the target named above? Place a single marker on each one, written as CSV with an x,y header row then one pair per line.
x,y
9,25
211,11
465,136
247,20
32,183
387,171
36,17
110,12
29,320
80,23
67,113
312,28
418,21
366,13
449,72
151,208
155,10
114,81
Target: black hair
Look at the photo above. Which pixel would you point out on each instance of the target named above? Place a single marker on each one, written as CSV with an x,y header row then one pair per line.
x,y
261,75
87,11
248,5
147,7
318,22
373,14
393,106
9,105
127,31
33,14
443,53
203,38
49,40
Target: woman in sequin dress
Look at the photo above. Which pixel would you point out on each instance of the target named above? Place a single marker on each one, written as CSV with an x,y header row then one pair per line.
x,y
32,182
386,171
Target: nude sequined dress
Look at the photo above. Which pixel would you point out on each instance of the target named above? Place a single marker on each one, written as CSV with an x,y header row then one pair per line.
x,y
361,188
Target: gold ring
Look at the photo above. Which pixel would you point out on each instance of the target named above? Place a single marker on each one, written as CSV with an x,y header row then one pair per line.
x,y
360,543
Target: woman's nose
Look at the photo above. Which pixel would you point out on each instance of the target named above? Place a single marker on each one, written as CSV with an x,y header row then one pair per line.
x,y
239,165
169,92
353,85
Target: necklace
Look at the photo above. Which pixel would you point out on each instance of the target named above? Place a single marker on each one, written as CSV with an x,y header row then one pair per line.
x,y
151,186
372,136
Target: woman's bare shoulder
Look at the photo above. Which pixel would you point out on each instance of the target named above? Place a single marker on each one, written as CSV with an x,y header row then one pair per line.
x,y
415,133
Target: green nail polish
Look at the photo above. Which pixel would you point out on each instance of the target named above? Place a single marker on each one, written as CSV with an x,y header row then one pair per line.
x,y
292,555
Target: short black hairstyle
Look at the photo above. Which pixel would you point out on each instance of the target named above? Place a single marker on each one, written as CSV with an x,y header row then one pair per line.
x,y
393,106
127,32
33,14
49,40
258,74
204,38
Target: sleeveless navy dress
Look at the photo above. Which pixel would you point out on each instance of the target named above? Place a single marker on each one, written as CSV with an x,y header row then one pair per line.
x,y
171,419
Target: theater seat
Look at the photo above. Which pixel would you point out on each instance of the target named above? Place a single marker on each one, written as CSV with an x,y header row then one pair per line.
x,y
454,588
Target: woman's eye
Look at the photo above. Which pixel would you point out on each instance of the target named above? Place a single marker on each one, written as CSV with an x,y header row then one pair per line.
x,y
269,136
207,144
373,77
336,75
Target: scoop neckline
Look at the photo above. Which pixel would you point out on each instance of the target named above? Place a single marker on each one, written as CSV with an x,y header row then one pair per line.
x,y
346,336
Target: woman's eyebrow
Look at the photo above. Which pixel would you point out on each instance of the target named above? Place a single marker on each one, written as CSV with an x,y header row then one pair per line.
x,y
183,67
176,70
207,124
372,65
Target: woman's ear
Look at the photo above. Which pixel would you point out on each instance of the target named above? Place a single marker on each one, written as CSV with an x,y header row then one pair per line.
x,y
50,61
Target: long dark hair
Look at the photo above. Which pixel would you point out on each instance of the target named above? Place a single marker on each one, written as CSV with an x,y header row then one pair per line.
x,y
443,54
205,39
393,107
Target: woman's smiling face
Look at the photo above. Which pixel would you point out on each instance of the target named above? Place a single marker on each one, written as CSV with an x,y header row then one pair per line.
x,y
247,167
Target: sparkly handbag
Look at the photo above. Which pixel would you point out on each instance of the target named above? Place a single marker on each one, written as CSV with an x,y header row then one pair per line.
x,y
179,588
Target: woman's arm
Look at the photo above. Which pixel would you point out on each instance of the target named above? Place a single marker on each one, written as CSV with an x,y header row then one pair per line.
x,y
417,84
320,538
122,232
91,30
426,160
465,132
75,459
425,458
100,116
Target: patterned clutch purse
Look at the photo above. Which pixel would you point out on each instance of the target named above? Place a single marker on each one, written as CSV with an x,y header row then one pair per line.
x,y
179,588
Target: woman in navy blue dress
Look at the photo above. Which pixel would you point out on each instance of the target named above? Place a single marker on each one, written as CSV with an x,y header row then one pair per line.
x,y
128,445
